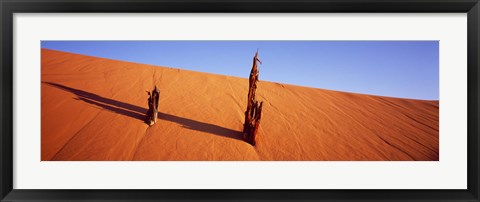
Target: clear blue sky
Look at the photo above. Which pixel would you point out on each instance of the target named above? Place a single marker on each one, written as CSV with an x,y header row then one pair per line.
x,y
406,69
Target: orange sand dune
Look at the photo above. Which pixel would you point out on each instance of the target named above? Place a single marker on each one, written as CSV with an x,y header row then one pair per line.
x,y
93,109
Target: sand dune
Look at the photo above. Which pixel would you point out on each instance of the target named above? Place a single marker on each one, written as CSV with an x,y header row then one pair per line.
x,y
94,108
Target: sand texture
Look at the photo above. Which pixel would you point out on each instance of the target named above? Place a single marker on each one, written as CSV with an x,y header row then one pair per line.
x,y
94,109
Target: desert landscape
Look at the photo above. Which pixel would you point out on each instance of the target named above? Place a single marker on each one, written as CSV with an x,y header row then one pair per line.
x,y
93,109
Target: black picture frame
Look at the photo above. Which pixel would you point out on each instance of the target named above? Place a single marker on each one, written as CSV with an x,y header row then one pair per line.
x,y
9,7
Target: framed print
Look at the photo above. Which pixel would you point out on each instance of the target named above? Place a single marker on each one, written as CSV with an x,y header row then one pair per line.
x,y
265,100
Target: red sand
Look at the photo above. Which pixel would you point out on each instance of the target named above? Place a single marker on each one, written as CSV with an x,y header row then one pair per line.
x,y
94,108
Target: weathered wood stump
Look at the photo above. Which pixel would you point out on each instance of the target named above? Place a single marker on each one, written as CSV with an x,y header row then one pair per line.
x,y
254,108
152,113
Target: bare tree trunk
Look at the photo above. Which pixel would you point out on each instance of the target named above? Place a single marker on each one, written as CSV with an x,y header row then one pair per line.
x,y
254,109
152,113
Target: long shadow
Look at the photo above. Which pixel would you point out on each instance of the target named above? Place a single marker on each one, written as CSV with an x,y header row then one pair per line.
x,y
137,112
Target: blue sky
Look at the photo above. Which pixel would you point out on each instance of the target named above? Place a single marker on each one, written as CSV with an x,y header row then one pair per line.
x,y
405,69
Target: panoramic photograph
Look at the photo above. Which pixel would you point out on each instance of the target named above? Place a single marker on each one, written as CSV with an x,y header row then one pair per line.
x,y
239,100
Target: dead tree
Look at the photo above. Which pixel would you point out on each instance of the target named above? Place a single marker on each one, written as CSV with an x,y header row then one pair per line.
x,y
152,113
254,108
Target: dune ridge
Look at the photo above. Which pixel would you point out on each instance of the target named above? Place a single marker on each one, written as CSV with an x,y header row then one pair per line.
x,y
93,109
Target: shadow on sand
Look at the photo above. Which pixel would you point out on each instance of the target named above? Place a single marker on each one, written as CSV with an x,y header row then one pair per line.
x,y
139,112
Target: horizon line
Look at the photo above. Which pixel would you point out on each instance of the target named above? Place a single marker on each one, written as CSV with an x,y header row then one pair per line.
x,y
260,80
